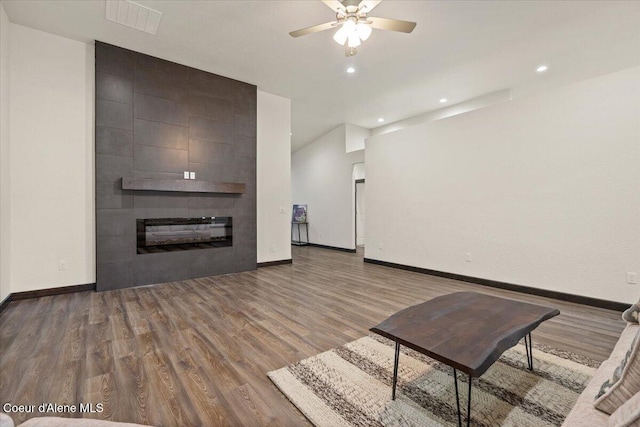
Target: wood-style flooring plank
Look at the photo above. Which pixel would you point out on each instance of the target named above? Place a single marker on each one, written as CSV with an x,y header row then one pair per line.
x,y
196,352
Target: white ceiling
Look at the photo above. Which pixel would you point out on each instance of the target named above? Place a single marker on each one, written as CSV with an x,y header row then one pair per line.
x,y
459,50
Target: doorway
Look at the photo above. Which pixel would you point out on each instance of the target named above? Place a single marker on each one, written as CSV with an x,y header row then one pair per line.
x,y
360,212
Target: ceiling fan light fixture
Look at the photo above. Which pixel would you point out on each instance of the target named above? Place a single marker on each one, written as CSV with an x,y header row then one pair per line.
x,y
354,40
363,30
349,25
341,36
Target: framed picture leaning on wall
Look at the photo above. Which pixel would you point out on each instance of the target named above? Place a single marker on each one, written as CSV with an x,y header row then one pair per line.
x,y
299,214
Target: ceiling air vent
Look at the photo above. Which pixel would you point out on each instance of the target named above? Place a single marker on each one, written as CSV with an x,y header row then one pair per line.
x,y
133,15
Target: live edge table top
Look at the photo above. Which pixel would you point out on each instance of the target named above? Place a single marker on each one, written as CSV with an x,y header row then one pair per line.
x,y
465,330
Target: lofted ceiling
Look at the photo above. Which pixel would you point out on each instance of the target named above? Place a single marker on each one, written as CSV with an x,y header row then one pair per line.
x,y
459,50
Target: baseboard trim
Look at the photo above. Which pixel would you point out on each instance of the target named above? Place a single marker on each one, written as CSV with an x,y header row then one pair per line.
x,y
273,263
16,296
5,302
335,248
594,302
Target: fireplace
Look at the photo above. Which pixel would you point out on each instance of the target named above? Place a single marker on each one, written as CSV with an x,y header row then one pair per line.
x,y
180,234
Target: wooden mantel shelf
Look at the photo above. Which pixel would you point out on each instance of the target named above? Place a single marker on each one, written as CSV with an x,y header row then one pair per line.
x,y
182,185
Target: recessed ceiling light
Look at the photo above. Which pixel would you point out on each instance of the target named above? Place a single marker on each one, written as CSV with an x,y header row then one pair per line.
x,y
380,120
351,70
541,69
443,100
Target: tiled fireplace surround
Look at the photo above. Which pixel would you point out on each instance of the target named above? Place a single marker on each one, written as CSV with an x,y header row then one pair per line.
x,y
156,119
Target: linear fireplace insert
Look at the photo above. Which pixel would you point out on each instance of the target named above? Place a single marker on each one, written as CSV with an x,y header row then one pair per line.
x,y
180,234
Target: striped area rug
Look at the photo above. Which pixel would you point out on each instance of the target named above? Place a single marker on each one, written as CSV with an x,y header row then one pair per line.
x,y
351,386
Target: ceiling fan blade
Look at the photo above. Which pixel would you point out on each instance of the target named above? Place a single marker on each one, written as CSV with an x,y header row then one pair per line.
x,y
368,4
391,24
335,5
314,29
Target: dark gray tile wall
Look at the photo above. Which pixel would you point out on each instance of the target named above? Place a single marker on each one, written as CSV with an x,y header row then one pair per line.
x,y
156,119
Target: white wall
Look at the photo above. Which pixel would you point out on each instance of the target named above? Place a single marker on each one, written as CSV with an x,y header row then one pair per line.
x,y
273,177
541,191
448,111
358,171
355,137
322,178
5,224
52,183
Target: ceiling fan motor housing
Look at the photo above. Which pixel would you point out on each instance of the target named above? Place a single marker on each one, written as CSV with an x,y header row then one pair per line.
x,y
351,6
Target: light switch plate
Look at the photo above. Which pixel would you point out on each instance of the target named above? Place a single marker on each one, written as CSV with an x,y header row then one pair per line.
x,y
186,174
192,175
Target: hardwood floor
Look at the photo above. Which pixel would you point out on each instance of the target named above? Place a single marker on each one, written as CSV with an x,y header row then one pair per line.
x,y
197,352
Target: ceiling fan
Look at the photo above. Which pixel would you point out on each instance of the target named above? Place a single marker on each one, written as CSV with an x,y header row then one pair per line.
x,y
354,24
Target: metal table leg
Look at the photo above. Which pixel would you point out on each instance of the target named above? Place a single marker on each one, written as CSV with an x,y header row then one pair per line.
x,y
469,403
395,371
529,348
455,382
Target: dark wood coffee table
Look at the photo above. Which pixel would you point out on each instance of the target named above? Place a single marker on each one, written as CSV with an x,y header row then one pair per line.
x,y
465,330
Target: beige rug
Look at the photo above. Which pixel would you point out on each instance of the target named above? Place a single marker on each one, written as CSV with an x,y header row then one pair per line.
x,y
351,386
